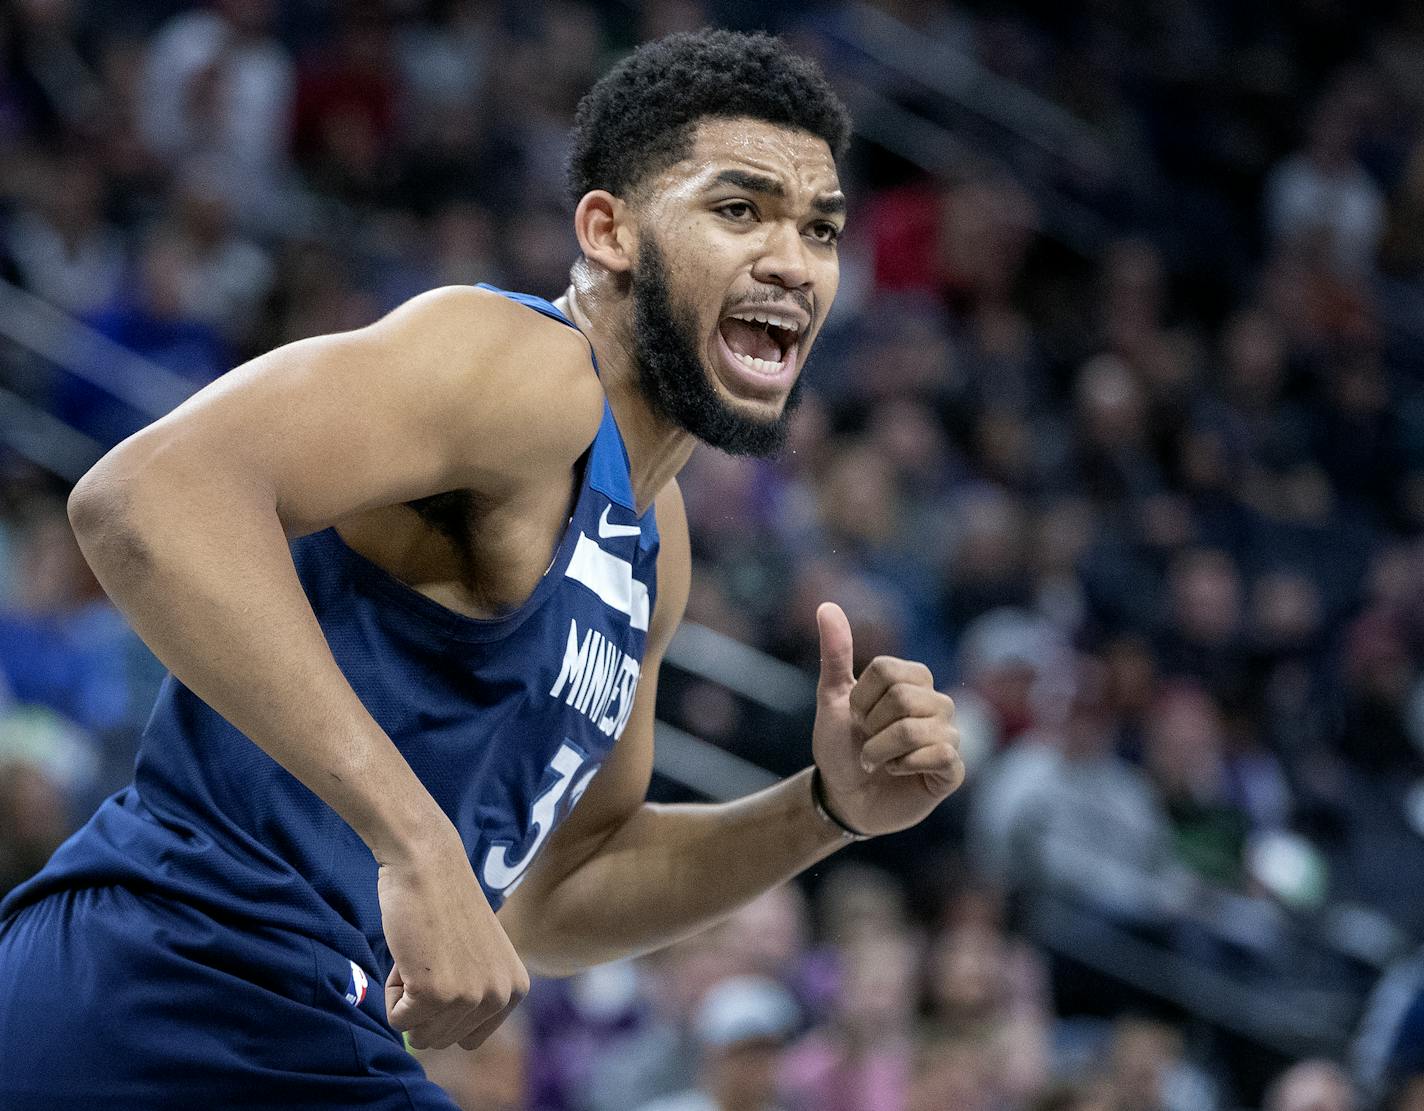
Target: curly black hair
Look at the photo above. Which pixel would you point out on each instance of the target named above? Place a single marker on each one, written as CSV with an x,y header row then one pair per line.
x,y
638,119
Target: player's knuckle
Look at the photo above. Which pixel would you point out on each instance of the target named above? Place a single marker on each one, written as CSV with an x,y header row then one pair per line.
x,y
902,698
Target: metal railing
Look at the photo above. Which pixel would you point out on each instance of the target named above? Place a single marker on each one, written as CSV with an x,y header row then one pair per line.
x,y
958,77
53,334
997,121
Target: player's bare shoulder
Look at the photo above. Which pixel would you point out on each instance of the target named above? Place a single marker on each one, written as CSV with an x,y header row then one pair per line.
x,y
456,389
524,380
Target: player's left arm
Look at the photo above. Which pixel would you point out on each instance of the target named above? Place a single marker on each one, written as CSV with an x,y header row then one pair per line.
x,y
623,876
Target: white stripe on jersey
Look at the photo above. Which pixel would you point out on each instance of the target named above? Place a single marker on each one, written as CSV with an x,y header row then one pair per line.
x,y
611,579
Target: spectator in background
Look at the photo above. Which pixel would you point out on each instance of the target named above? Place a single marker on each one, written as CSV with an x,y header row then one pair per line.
x,y
1321,198
1130,685
1008,660
951,1073
859,903
973,1001
619,1035
1254,377
987,565
1311,1086
62,645
742,1027
859,1058
445,62
862,510
1148,1070
1357,438
347,109
1202,635
152,320
1408,1096
52,86
1288,637
986,226
1185,757
1063,533
1061,810
218,86
537,78
1374,738
46,765
907,434
1381,679
317,292
596,1039
1132,303
1071,1096
59,242
1210,468
904,350
34,819
222,277
1113,464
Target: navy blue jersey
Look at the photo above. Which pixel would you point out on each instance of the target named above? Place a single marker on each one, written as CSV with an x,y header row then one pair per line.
x,y
503,720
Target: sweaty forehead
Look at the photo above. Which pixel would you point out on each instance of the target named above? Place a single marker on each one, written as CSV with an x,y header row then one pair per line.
x,y
801,161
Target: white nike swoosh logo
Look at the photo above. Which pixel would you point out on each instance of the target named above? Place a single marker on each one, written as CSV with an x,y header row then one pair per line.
x,y
608,532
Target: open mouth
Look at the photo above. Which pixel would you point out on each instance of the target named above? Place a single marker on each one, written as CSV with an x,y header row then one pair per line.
x,y
761,341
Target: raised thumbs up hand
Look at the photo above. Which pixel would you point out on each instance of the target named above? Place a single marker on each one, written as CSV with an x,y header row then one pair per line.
x,y
886,743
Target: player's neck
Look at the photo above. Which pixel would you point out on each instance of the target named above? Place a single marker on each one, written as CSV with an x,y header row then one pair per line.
x,y
657,448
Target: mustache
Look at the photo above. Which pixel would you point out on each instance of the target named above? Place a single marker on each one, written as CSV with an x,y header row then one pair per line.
x,y
766,298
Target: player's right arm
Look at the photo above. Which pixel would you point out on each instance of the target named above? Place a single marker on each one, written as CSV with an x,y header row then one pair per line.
x,y
186,525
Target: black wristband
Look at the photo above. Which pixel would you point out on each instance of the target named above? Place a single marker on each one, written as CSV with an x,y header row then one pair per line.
x,y
818,797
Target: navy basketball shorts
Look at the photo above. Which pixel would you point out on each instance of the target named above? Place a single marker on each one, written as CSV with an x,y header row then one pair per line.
x,y
139,1003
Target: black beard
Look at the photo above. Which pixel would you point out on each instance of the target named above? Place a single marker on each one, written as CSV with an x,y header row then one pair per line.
x,y
671,372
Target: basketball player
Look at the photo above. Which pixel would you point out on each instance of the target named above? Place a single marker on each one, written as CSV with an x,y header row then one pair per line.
x,y
413,584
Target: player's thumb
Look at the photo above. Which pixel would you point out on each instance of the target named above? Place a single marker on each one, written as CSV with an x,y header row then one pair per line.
x,y
837,651
397,1003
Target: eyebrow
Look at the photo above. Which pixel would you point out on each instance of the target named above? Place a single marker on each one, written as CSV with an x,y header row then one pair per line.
x,y
828,204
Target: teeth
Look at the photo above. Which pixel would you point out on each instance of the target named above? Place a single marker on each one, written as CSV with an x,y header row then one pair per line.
x,y
761,366
768,318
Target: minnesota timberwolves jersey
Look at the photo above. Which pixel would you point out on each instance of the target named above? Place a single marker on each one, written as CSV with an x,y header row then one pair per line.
x,y
505,722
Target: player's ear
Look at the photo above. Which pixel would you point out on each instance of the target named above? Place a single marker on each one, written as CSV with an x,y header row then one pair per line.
x,y
605,232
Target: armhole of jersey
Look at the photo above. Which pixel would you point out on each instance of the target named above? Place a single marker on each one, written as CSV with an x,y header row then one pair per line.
x,y
609,472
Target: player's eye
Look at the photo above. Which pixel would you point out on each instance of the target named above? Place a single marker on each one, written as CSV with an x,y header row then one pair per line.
x,y
737,210
825,232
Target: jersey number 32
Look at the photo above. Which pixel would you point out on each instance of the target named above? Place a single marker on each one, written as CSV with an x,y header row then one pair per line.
x,y
571,775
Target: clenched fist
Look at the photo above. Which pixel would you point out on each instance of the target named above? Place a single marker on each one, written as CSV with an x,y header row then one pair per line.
x,y
886,743
456,975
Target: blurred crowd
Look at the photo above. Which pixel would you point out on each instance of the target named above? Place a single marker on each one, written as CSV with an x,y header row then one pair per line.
x,y
1127,442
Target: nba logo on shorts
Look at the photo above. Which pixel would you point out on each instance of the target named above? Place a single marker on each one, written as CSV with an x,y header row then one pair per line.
x,y
356,986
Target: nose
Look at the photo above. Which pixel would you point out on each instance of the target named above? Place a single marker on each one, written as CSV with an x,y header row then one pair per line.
x,y
783,260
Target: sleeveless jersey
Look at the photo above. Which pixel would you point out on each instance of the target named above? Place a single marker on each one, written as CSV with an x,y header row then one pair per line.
x,y
503,720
